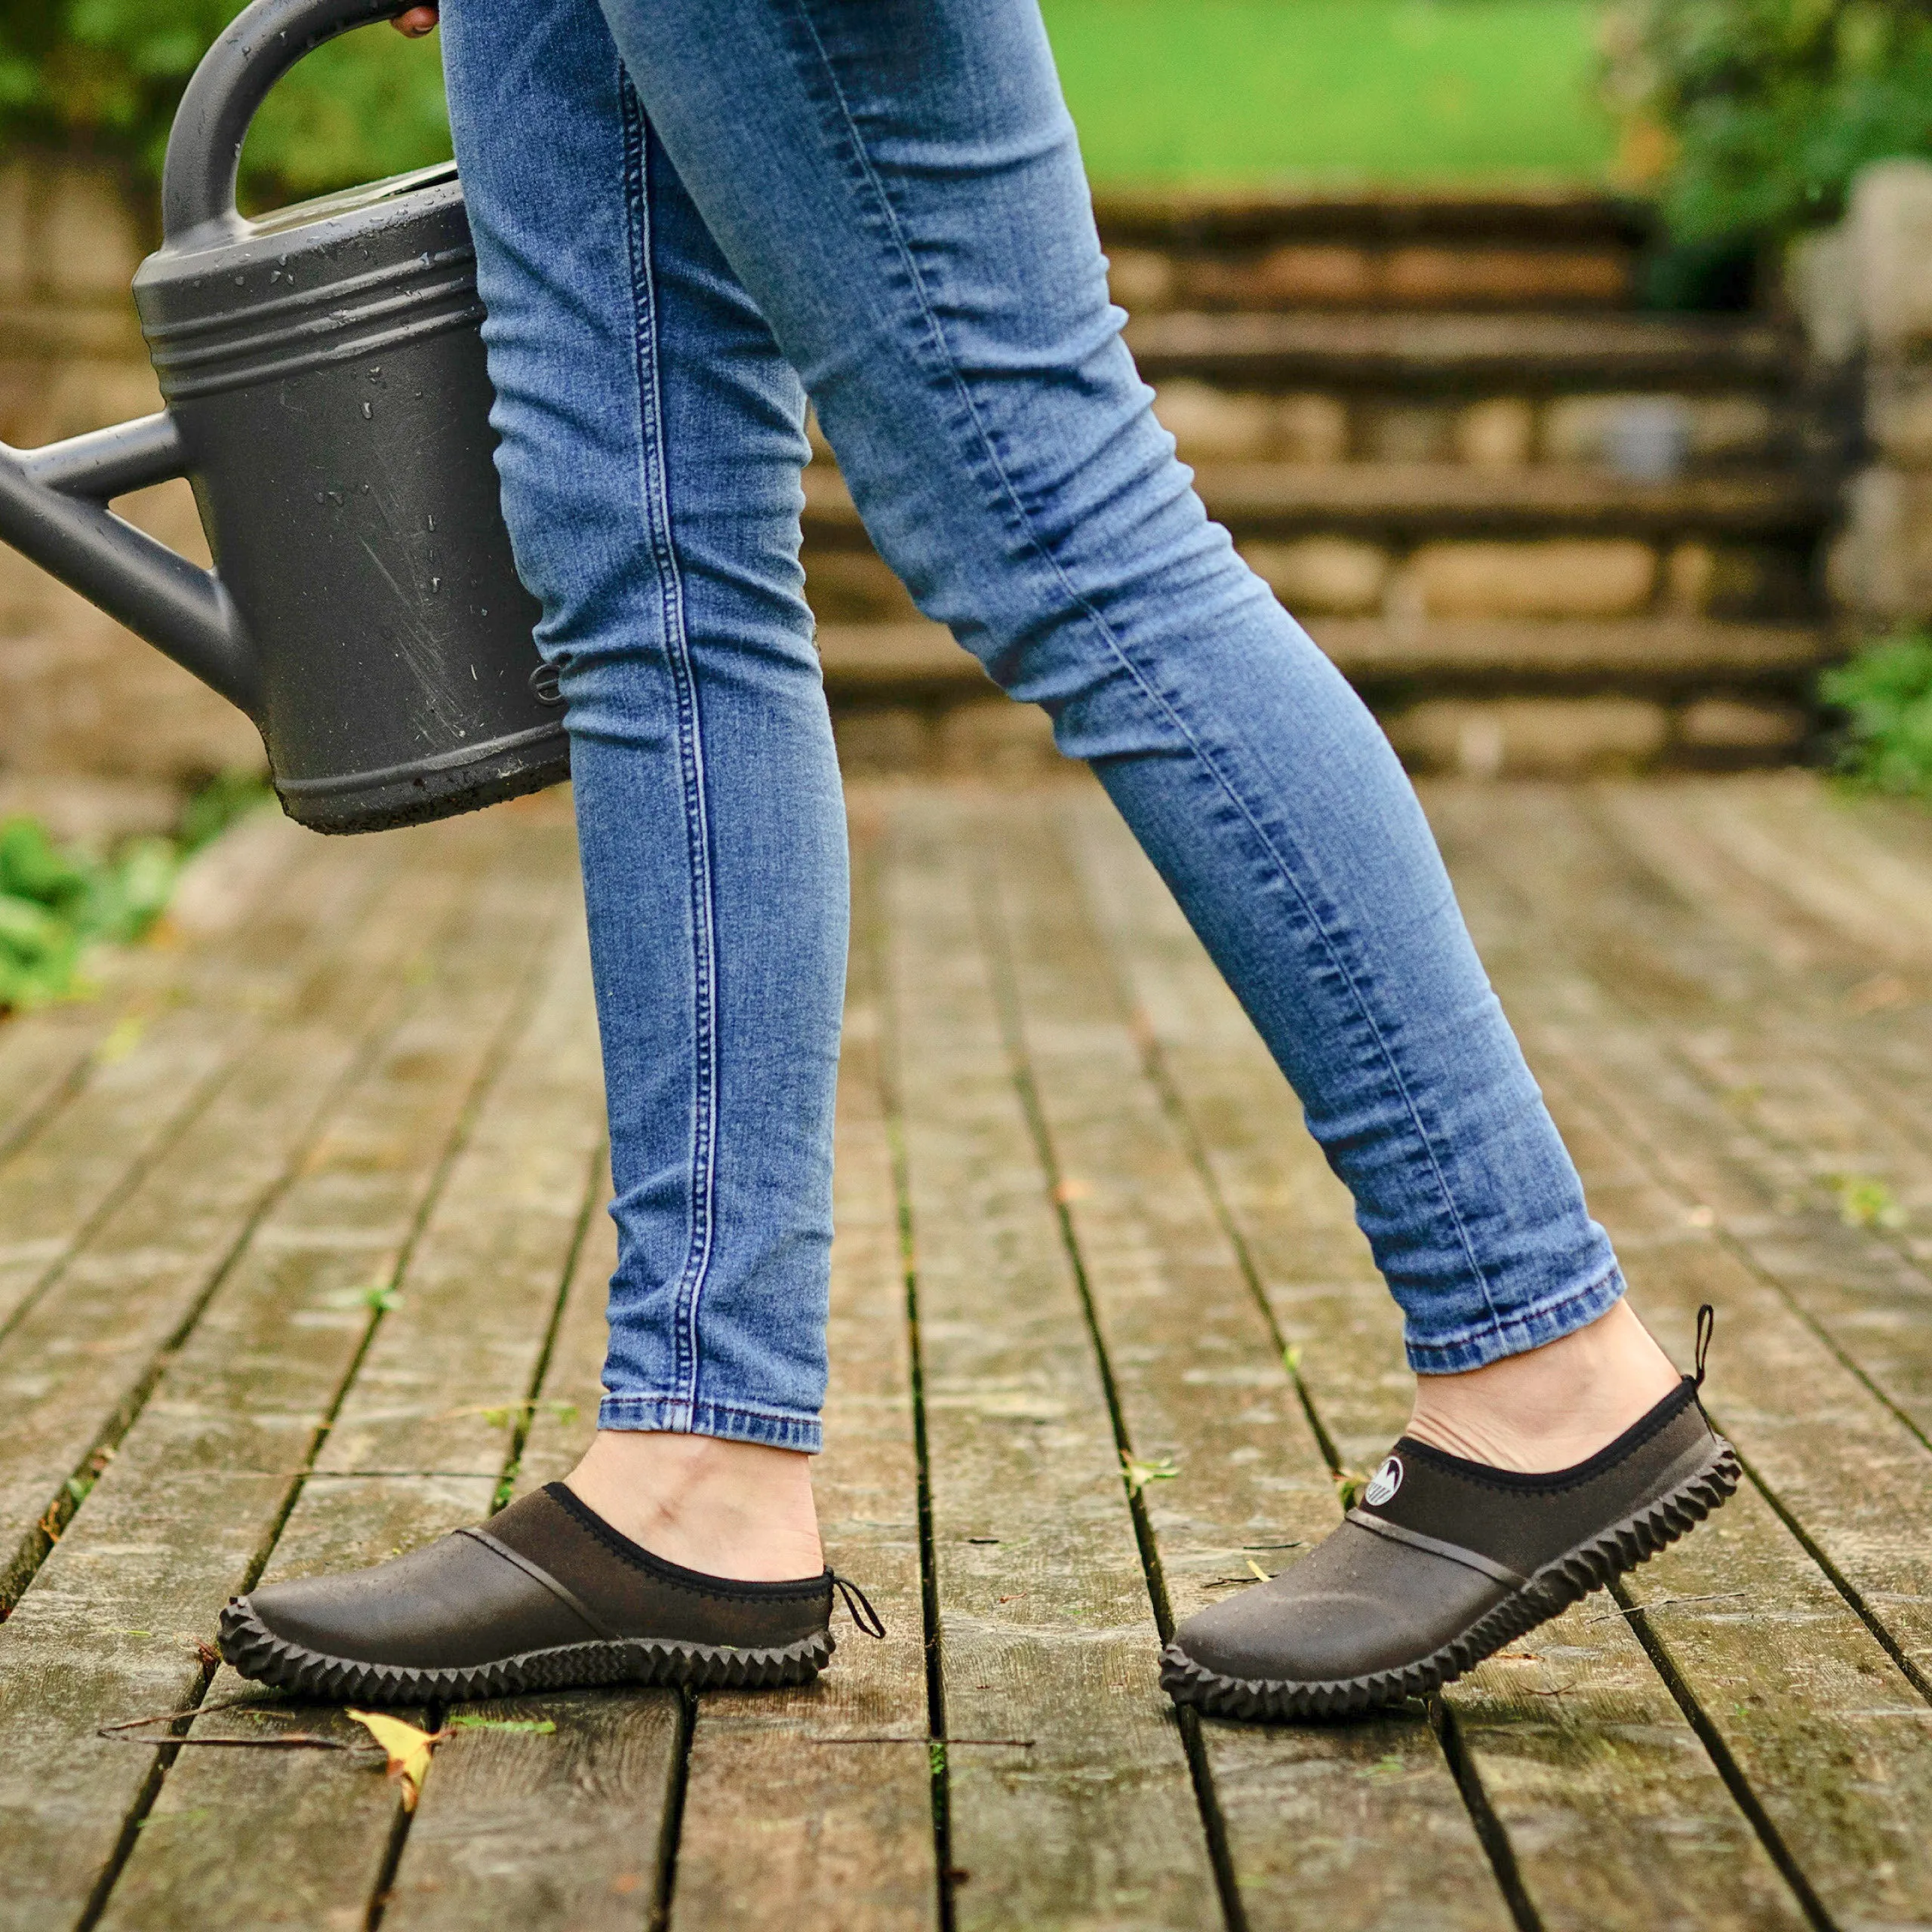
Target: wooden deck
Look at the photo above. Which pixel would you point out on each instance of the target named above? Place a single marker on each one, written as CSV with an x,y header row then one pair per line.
x,y
301,1263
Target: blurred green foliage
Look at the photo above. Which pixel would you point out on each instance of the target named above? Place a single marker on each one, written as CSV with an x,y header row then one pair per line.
x,y
102,77
1197,91
1759,112
1886,694
57,901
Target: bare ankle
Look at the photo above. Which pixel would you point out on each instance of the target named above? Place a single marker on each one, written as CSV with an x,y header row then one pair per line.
x,y
738,1510
1550,1407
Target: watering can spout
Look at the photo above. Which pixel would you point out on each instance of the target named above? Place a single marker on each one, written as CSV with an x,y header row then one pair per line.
x,y
53,508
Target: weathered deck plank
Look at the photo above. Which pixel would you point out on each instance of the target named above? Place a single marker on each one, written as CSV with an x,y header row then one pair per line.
x,y
108,1627
1651,1807
573,1827
1786,1091
1784,1671
74,1365
45,1056
44,1059
1046,1636
1868,1507
1360,1825
1828,1072
1114,1212
419,1443
797,1796
159,1064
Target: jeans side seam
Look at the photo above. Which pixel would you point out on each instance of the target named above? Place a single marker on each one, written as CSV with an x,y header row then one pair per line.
x,y
936,333
657,508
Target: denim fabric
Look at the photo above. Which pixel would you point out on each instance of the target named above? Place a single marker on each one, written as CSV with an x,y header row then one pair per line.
x,y
689,214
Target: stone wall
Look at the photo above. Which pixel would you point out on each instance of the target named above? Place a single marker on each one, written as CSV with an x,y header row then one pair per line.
x,y
1866,291
1495,630
78,694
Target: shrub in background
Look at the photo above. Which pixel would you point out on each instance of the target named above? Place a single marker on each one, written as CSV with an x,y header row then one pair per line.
x,y
55,902
101,77
1749,118
1886,694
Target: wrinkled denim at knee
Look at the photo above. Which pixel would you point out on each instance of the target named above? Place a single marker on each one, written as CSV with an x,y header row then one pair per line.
x,y
690,215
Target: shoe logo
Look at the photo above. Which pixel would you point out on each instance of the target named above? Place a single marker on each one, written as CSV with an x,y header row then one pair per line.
x,y
1385,1482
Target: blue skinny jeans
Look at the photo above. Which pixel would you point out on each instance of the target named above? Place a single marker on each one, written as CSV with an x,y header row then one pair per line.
x,y
691,215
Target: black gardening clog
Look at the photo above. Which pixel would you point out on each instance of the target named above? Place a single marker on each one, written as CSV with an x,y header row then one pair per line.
x,y
1441,1563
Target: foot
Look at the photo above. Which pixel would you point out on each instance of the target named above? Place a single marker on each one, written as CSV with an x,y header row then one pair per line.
x,y
1449,1555
1548,1407
546,1594
736,1509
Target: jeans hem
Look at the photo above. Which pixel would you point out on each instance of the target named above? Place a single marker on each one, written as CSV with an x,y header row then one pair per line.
x,y
1546,1321
672,1415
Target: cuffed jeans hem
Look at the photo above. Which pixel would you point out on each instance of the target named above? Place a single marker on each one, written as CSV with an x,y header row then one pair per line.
x,y
1549,1321
674,1417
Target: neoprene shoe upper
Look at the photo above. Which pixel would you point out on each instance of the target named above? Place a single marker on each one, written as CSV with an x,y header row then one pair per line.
x,y
1435,1545
544,1573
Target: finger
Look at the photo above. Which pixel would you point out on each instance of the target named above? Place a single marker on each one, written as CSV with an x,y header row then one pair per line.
x,y
415,22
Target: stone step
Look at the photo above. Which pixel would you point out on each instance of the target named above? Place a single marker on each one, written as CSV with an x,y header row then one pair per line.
x,y
1543,215
1414,502
919,663
1482,699
1552,248
1466,354
1648,435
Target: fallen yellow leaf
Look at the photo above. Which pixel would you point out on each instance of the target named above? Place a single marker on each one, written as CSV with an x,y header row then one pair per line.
x,y
123,1037
409,1750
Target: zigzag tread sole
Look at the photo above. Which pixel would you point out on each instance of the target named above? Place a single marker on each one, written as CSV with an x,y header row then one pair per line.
x,y
253,1650
1619,1548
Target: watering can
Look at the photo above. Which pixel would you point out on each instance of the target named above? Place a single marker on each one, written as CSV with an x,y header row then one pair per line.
x,y
326,395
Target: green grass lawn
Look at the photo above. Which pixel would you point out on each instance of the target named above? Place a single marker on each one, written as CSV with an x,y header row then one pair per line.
x,y
1237,92
1221,91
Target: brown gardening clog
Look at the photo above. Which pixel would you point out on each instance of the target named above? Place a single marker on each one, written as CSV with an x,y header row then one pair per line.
x,y
548,1594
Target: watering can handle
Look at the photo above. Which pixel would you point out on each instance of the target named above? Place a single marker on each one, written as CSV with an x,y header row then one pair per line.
x,y
258,47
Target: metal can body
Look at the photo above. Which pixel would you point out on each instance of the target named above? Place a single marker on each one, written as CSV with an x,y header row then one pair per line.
x,y
325,366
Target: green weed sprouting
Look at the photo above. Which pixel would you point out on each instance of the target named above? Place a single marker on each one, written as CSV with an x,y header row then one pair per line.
x,y
502,1417
1139,1475
56,901
1885,692
1864,1202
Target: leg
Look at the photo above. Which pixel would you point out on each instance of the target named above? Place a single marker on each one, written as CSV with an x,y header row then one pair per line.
x,y
652,442
894,182
897,184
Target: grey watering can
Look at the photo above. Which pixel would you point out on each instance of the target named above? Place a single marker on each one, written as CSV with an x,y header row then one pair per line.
x,y
323,373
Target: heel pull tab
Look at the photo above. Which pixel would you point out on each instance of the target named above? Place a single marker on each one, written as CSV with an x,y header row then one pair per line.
x,y
858,1608
1707,1323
